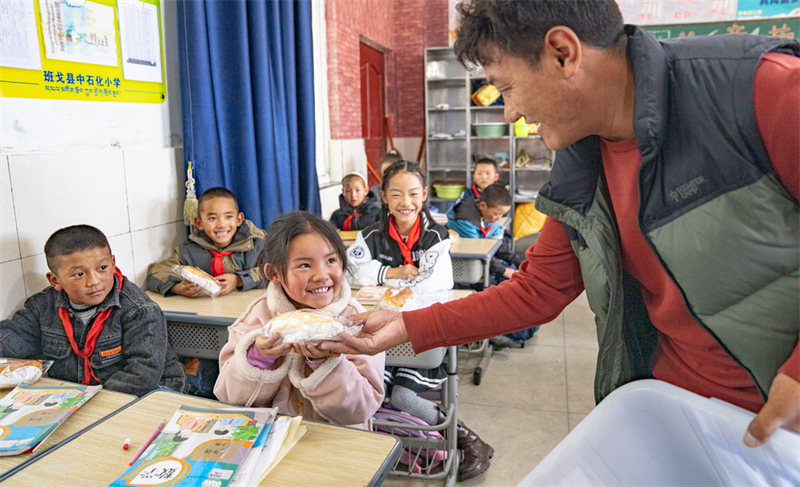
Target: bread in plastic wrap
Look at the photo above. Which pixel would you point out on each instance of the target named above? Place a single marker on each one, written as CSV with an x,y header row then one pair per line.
x,y
15,371
306,325
208,284
396,299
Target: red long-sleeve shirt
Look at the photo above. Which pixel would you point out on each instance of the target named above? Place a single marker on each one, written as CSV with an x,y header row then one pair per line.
x,y
687,355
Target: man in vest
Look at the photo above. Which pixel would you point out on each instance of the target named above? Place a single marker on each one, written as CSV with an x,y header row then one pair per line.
x,y
673,203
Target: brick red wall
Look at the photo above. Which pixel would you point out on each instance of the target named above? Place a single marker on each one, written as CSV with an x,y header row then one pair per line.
x,y
405,28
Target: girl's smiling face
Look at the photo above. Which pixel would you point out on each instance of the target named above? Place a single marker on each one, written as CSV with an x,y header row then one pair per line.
x,y
313,273
405,195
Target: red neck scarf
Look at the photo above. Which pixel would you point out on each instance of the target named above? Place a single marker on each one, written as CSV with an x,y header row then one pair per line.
x,y
484,229
217,267
476,191
91,338
347,225
413,236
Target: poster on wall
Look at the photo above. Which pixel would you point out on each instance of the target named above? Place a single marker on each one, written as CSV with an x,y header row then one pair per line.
x,y
787,28
19,45
768,8
80,32
659,12
88,50
141,42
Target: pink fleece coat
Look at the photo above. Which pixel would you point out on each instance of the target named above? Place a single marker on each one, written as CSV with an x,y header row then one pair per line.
x,y
344,390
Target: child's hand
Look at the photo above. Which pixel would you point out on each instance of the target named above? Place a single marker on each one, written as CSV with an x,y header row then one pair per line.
x,y
228,282
268,345
312,351
188,289
508,272
407,271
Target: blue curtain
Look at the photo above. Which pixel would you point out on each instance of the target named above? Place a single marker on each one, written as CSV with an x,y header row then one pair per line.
x,y
247,88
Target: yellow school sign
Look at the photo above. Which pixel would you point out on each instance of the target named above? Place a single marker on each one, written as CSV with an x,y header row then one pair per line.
x,y
93,50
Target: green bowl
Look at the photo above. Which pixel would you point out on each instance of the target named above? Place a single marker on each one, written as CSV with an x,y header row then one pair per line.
x,y
493,129
449,191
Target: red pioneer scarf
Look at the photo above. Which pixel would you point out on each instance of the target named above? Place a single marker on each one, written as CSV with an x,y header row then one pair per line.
x,y
476,191
485,230
91,337
348,222
405,247
217,267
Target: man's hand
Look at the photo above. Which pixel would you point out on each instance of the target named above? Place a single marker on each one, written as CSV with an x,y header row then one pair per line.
x,y
228,282
782,409
382,330
188,289
508,272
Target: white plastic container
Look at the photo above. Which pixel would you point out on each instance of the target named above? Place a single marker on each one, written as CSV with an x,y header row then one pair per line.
x,y
650,433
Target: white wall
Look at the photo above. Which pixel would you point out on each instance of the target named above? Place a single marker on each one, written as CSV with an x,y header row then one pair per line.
x,y
117,166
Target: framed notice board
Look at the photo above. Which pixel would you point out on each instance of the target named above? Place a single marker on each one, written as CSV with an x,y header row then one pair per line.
x,y
92,50
787,27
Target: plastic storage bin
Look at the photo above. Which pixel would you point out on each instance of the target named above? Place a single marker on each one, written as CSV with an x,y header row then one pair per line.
x,y
650,433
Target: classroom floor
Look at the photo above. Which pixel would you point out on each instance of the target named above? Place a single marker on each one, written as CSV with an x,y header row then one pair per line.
x,y
529,398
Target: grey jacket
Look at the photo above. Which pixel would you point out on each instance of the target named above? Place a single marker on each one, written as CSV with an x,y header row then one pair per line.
x,y
247,243
703,162
134,339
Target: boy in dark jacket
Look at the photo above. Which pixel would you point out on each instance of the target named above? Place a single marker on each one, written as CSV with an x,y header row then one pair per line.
x,y
96,325
222,243
357,208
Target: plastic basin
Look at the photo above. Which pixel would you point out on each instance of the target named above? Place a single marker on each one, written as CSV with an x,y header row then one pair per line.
x,y
493,129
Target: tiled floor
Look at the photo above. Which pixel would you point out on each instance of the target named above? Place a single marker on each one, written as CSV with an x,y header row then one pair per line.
x,y
529,398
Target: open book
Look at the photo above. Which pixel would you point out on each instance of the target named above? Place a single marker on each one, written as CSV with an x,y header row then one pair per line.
x,y
223,447
29,414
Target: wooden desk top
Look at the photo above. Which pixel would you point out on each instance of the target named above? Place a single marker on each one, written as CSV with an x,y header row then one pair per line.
x,y
100,405
474,248
228,306
326,455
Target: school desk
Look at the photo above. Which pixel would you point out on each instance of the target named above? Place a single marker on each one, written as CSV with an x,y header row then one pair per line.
x,y
198,327
469,250
326,455
95,409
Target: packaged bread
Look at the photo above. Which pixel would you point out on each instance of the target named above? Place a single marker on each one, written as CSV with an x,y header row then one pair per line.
x,y
15,371
395,299
208,284
306,325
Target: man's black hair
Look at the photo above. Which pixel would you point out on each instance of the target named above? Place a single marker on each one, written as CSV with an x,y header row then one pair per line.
x,y
518,27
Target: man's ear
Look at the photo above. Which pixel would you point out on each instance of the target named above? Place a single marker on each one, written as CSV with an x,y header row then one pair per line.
x,y
272,274
53,280
562,50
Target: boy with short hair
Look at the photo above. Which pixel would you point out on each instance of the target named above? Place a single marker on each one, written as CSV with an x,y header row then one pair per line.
x,y
356,210
222,243
96,325
478,218
484,174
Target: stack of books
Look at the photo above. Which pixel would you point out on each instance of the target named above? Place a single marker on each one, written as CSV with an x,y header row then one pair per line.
x,y
233,447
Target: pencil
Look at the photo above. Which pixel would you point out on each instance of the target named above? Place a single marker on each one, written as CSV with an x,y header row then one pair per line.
x,y
147,443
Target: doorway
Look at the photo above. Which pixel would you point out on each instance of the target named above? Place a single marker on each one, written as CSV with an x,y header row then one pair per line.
x,y
373,106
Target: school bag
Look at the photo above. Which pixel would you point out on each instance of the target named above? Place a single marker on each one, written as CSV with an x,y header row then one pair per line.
x,y
418,459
